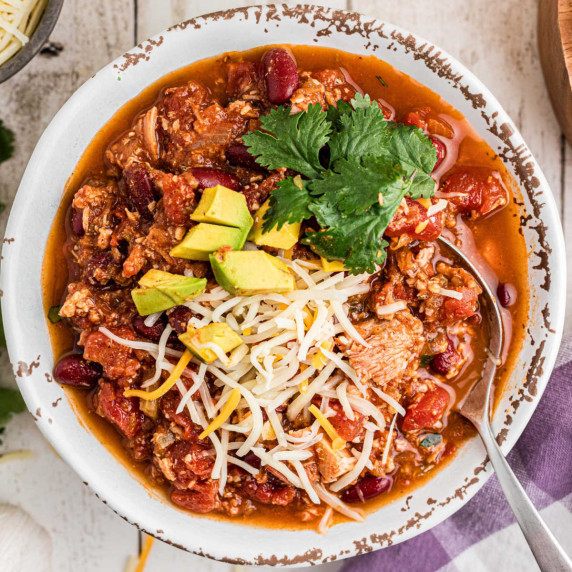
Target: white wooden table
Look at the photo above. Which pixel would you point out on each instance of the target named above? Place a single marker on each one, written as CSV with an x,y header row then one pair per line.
x,y
495,39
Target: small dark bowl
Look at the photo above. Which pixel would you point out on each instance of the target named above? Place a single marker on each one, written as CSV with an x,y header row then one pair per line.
x,y
38,39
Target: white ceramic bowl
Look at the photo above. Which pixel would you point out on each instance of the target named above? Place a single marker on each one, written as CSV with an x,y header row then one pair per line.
x,y
39,196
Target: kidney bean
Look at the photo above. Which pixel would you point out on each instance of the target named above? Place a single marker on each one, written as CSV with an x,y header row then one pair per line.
x,y
446,360
152,333
100,261
367,488
76,371
252,460
140,189
441,151
506,294
179,318
239,155
77,222
280,75
208,177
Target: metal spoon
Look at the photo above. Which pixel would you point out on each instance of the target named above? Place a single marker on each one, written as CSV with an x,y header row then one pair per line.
x,y
476,408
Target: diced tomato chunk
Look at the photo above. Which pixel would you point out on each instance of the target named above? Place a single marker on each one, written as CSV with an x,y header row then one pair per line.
x,y
169,404
118,361
430,122
454,310
202,498
179,199
418,118
268,493
480,190
347,429
414,222
427,411
242,77
189,462
122,411
441,151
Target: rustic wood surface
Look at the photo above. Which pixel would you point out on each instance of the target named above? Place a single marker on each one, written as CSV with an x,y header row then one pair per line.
x,y
496,40
555,48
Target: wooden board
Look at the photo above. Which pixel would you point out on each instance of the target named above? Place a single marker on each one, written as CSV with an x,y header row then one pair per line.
x,y
496,40
555,46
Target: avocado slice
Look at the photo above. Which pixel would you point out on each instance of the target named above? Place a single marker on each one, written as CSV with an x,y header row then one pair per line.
x,y
246,273
205,238
162,290
217,333
220,205
284,238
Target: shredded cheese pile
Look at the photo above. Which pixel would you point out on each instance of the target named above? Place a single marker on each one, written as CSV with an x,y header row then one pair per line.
x,y
18,20
288,357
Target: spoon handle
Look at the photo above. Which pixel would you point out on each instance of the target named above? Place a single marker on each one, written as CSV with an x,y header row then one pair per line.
x,y
546,549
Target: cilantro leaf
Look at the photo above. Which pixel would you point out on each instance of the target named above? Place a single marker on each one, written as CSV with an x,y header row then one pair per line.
x,y
335,113
289,202
355,185
358,240
422,186
10,402
412,147
6,142
291,141
360,133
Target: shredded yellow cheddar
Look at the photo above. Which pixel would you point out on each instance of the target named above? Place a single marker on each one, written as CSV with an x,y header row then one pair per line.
x,y
224,414
425,202
169,382
319,359
337,442
421,226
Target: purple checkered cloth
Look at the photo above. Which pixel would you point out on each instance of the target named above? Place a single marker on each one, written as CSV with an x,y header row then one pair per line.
x,y
483,535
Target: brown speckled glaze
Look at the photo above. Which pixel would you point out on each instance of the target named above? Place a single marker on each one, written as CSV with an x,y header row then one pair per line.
x,y
25,370
378,36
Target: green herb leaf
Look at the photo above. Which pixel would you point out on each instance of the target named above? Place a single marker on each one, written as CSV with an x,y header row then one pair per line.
x,y
354,185
373,165
358,240
425,360
430,440
412,147
288,202
360,133
6,142
11,402
54,314
422,186
381,81
291,141
335,113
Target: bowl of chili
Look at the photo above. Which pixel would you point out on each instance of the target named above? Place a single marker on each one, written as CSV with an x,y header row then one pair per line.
x,y
407,89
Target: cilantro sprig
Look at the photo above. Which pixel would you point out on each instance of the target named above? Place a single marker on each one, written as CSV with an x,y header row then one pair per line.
x,y
371,165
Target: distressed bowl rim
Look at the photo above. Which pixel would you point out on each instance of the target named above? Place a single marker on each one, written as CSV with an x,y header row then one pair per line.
x,y
301,548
